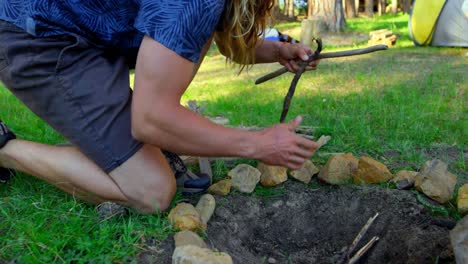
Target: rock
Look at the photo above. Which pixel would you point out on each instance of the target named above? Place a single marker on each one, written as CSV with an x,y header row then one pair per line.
x,y
339,169
435,181
305,173
322,141
220,120
459,240
405,175
271,260
272,175
404,184
185,217
462,200
184,238
244,178
404,179
196,255
205,207
371,171
222,187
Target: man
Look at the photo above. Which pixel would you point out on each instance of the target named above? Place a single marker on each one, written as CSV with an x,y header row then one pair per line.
x,y
68,61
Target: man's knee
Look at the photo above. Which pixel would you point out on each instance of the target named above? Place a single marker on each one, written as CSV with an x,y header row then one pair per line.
x,y
151,200
146,180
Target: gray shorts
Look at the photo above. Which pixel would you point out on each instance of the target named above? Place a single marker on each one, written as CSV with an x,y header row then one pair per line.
x,y
81,91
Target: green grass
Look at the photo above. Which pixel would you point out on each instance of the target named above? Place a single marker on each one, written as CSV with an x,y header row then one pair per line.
x,y
406,100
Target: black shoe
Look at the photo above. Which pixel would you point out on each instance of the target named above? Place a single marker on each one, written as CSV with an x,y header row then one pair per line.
x,y
5,136
5,175
189,182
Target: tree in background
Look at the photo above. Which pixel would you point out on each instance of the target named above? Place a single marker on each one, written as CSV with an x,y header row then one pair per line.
x,y
350,9
394,6
276,9
328,13
289,8
370,8
310,4
381,5
405,5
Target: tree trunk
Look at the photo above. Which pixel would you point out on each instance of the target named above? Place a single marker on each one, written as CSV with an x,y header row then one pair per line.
x,y
394,6
310,6
291,8
370,8
340,18
350,9
285,7
276,9
329,14
405,6
356,6
382,5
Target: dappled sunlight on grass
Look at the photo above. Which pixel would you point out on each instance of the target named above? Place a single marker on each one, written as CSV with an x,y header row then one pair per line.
x,y
405,100
394,89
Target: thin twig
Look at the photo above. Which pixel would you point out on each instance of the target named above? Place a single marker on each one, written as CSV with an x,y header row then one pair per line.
x,y
290,94
363,250
362,233
297,76
358,238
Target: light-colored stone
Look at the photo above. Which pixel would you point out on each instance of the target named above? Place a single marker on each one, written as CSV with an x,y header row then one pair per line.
x,y
205,207
185,217
305,173
322,141
435,181
371,171
459,240
222,187
220,120
244,178
405,175
404,179
197,255
462,199
339,169
272,175
187,237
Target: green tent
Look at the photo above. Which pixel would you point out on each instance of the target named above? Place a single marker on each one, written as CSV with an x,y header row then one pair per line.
x,y
439,23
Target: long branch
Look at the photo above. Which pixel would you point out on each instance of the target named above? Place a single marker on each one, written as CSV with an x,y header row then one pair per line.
x,y
326,55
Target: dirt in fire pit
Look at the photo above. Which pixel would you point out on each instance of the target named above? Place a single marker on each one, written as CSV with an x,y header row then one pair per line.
x,y
305,224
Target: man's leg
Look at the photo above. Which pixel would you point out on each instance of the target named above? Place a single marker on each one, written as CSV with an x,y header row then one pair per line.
x,y
82,92
144,182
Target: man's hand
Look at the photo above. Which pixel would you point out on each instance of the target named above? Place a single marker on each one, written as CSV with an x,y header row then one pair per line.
x,y
290,54
279,145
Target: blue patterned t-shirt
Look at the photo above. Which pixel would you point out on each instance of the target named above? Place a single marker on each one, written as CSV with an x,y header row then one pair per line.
x,y
183,26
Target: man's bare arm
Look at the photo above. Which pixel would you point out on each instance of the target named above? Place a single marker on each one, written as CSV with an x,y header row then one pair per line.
x,y
158,118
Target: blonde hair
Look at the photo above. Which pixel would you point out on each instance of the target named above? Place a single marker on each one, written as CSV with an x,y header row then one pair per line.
x,y
242,24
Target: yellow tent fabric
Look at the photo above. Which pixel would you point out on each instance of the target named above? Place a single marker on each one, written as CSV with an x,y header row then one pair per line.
x,y
423,20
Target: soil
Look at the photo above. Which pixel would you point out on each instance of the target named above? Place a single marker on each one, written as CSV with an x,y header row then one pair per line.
x,y
313,223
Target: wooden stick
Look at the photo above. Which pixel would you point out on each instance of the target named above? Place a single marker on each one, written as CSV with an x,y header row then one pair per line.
x,y
290,94
358,238
363,250
362,233
326,55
